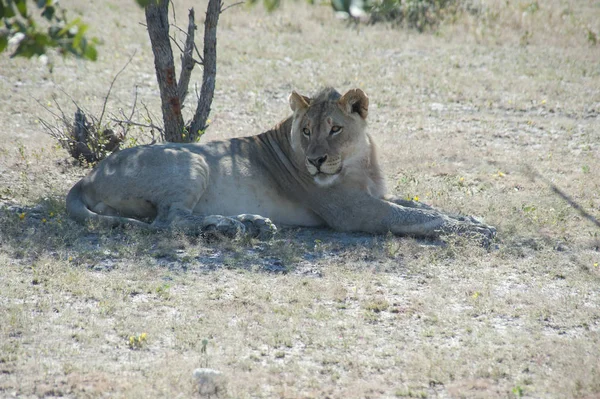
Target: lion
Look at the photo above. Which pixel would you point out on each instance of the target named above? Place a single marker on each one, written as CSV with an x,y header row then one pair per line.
x,y
318,167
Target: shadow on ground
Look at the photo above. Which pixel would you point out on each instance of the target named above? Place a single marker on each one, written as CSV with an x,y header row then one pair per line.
x,y
43,229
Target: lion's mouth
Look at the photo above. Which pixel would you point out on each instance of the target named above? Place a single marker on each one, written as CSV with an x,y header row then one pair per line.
x,y
324,176
324,170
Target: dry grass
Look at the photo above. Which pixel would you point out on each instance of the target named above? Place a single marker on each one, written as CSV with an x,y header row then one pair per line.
x,y
460,115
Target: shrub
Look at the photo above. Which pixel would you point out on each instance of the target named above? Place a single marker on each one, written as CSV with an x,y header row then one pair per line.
x,y
415,14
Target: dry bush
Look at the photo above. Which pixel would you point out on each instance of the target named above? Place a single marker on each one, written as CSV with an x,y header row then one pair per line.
x,y
88,142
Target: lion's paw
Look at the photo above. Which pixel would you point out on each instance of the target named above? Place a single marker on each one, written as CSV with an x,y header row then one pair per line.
x,y
226,226
258,226
476,229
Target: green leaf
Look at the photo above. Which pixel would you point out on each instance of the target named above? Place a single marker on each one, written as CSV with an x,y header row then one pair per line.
x,y
22,7
43,3
68,27
42,40
271,5
7,10
81,28
90,53
28,48
3,43
144,3
49,12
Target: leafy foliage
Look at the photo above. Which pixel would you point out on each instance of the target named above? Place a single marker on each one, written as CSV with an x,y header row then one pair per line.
x,y
415,14
23,32
145,3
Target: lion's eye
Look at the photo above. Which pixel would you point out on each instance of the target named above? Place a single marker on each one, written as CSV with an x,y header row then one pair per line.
x,y
335,130
306,132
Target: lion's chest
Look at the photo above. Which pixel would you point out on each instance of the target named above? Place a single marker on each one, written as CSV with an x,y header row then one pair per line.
x,y
237,187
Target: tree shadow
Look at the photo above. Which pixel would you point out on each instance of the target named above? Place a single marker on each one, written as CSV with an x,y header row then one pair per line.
x,y
31,232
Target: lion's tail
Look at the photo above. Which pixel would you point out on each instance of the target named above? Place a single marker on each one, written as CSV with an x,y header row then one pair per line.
x,y
79,211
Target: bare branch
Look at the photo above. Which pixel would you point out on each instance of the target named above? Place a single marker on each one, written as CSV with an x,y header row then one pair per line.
x,y
177,44
132,123
231,5
64,116
134,103
201,62
181,49
179,29
111,86
149,117
126,129
48,109
187,60
54,132
195,47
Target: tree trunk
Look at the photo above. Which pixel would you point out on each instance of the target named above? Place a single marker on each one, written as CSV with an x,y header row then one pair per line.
x,y
157,20
210,69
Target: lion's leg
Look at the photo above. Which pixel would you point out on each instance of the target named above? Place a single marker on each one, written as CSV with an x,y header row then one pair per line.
x,y
362,212
420,205
431,222
407,203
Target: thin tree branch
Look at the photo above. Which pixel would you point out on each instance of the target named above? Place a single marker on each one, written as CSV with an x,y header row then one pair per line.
x,y
201,62
210,69
132,123
48,109
132,112
195,47
177,44
111,86
231,5
149,117
187,60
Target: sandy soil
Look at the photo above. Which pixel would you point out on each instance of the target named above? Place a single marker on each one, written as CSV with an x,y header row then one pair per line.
x,y
463,116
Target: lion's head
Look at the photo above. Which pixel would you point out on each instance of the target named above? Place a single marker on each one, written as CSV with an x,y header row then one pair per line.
x,y
329,131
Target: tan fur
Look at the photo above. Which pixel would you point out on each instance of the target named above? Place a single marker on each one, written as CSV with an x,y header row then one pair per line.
x,y
318,167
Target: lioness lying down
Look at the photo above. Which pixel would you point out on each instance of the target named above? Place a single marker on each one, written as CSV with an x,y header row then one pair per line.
x,y
318,167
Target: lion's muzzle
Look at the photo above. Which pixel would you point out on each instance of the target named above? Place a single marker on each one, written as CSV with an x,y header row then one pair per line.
x,y
323,165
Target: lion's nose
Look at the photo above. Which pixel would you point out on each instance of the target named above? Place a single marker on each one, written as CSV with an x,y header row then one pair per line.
x,y
318,161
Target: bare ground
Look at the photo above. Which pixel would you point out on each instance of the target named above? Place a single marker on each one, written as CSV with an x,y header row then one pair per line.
x,y
462,116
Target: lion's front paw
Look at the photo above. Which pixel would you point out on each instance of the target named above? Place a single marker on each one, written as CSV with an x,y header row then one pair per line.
x,y
222,225
474,228
258,226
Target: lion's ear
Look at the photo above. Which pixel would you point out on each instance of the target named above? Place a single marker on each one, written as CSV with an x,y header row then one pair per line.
x,y
298,101
355,100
